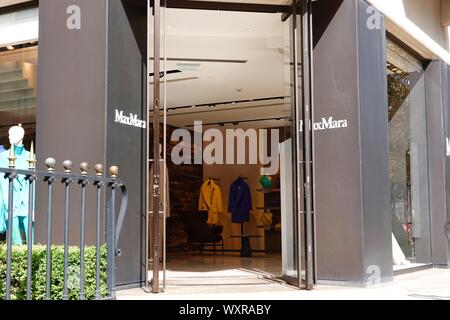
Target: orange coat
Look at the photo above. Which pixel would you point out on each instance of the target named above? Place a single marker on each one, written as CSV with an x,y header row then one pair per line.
x,y
211,200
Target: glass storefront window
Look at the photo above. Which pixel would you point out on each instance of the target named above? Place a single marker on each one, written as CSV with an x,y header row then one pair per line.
x,y
408,156
18,92
18,100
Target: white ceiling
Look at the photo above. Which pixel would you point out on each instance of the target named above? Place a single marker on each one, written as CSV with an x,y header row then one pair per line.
x,y
255,40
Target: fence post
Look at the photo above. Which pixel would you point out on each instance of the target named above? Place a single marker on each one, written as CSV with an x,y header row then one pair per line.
x,y
84,167
110,234
50,163
31,177
98,184
11,176
68,165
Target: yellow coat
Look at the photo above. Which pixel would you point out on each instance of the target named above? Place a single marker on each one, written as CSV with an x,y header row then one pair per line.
x,y
211,200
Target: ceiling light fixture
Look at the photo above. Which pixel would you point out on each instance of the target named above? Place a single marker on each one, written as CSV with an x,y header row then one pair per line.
x,y
250,30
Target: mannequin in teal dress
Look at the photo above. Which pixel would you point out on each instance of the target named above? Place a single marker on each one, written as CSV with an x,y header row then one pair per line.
x,y
21,188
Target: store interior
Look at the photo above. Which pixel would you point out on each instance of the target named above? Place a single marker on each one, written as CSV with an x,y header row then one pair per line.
x,y
231,71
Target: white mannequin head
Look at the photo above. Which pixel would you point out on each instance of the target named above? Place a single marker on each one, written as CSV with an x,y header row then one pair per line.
x,y
16,135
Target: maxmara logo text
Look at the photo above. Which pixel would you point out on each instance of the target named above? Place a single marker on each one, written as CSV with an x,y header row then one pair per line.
x,y
131,120
327,124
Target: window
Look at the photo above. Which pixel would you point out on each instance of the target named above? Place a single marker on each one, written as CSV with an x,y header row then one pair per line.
x,y
408,154
18,91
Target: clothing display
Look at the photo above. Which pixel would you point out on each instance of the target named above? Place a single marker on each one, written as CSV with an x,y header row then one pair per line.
x,y
161,185
20,195
240,201
266,182
211,200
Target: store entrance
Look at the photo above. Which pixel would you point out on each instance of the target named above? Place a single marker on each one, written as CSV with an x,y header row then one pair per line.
x,y
230,165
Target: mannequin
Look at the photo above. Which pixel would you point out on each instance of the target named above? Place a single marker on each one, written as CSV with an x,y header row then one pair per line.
x,y
21,187
16,135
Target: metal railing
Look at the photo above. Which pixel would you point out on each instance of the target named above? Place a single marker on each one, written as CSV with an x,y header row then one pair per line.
x,y
112,228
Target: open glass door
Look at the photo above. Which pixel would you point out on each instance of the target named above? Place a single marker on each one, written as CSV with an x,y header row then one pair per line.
x,y
156,149
298,251
287,118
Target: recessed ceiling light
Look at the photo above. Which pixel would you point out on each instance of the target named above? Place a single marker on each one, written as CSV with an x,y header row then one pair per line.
x,y
10,48
250,30
169,27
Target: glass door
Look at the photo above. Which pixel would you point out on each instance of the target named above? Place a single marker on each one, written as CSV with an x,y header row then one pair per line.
x,y
298,198
157,145
238,87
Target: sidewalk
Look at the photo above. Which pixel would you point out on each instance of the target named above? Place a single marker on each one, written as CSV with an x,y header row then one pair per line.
x,y
431,284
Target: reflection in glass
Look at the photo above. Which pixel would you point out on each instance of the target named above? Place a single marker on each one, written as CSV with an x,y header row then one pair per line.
x,y
18,98
408,156
18,92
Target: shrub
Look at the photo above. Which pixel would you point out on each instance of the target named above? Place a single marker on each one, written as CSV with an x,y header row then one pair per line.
x,y
19,272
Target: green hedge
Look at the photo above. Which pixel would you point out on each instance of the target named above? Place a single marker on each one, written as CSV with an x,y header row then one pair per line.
x,y
19,272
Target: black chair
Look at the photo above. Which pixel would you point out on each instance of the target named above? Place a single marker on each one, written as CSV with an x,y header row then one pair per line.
x,y
200,234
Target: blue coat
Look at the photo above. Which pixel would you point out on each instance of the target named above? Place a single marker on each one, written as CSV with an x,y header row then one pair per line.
x,y
240,201
21,187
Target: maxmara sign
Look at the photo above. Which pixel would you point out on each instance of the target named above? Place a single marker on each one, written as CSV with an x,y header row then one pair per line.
x,y
327,124
130,120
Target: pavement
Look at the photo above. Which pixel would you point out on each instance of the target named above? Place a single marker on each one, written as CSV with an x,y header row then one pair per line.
x,y
430,284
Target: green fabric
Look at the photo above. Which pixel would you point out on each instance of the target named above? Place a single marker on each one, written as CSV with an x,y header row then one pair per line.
x,y
20,224
266,182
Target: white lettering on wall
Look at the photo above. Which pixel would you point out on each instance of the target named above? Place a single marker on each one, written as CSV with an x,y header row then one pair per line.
x,y
131,120
327,124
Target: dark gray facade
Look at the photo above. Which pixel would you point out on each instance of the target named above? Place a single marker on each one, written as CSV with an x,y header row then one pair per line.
x,y
71,122
85,76
352,181
438,109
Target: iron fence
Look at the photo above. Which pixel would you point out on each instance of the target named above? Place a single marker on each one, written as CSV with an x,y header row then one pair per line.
x,y
112,226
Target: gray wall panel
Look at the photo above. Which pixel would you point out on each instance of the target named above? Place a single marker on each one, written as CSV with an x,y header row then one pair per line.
x,y
436,153
337,153
71,104
352,168
84,76
446,93
374,147
445,87
126,144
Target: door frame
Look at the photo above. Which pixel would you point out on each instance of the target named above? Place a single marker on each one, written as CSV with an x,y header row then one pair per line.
x,y
302,9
